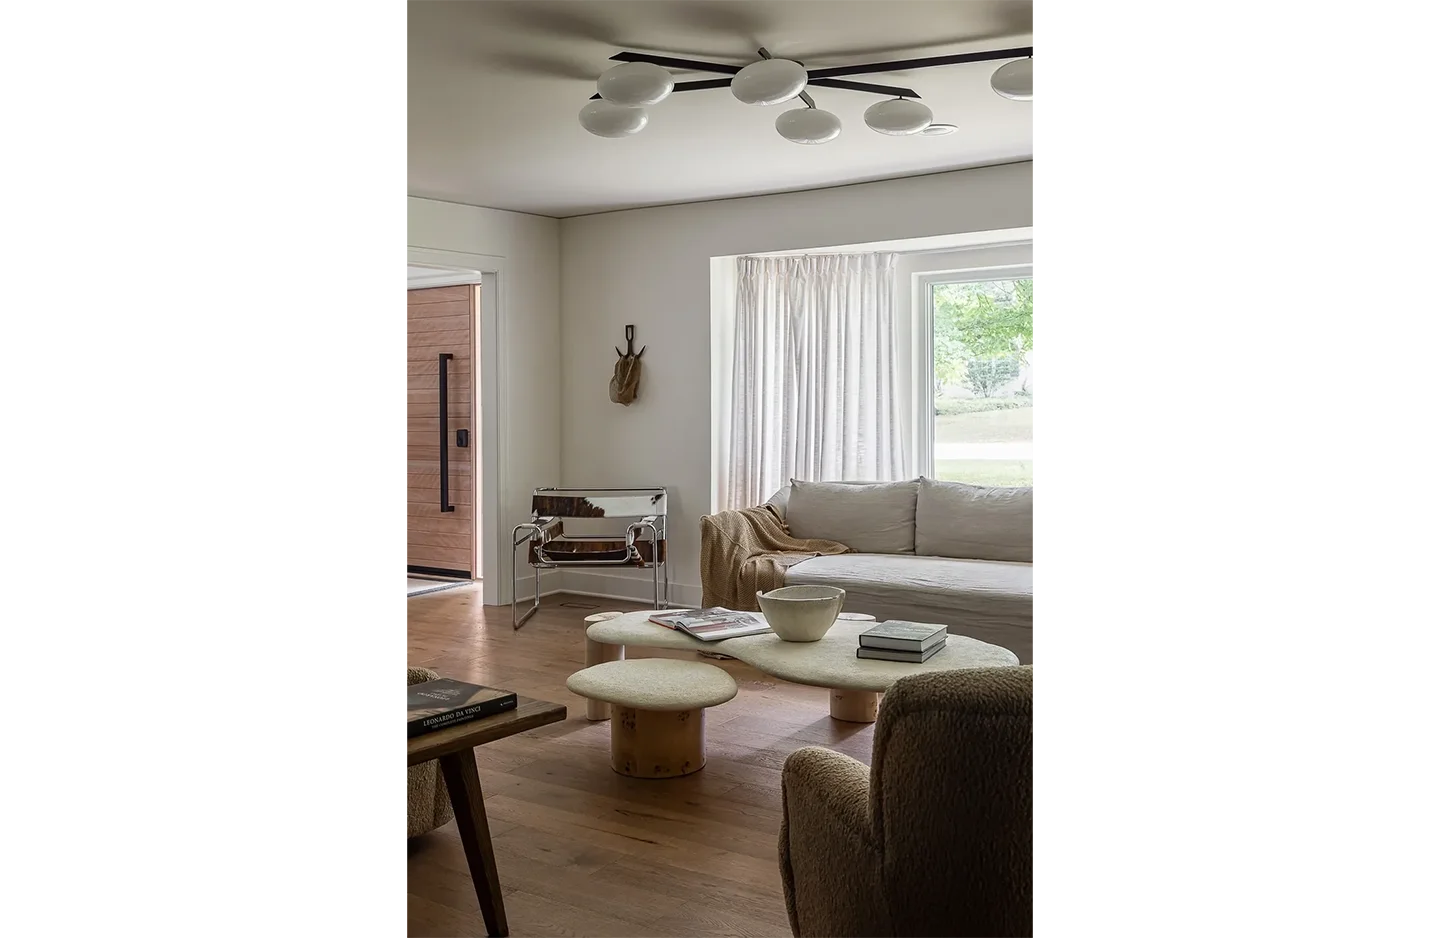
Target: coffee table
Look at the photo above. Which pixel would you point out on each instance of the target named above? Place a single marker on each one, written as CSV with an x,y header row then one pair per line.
x,y
455,748
855,684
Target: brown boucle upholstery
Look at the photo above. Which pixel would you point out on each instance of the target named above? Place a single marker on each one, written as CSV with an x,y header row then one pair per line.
x,y
932,839
429,801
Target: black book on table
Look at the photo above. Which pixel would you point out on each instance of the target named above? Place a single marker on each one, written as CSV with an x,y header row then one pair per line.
x,y
443,703
890,654
903,636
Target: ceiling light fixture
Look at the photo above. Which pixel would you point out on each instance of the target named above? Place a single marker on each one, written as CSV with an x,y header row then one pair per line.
x,y
624,91
604,119
1014,80
768,81
898,117
808,125
635,84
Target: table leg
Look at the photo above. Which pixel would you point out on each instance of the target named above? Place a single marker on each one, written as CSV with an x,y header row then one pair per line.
x,y
854,706
657,743
463,782
596,653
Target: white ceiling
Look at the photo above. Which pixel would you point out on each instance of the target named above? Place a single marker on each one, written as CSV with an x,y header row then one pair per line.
x,y
495,88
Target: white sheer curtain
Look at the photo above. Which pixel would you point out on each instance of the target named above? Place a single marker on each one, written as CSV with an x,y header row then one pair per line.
x,y
814,393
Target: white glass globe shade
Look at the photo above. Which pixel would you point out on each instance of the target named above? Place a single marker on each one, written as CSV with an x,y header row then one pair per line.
x,y
604,119
1014,80
769,81
635,84
808,125
898,117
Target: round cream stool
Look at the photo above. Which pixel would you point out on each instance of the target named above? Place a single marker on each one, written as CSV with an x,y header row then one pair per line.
x,y
657,724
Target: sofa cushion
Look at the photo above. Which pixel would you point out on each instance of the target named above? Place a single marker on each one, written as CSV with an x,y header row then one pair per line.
x,y
985,599
953,519
874,517
781,499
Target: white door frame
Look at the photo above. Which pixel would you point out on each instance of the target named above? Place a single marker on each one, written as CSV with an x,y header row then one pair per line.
x,y
452,269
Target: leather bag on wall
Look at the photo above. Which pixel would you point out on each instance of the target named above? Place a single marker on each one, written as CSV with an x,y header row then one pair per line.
x,y
625,384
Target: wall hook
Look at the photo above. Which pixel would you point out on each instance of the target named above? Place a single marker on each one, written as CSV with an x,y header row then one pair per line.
x,y
630,345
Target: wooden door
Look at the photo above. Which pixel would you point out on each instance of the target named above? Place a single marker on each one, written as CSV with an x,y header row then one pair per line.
x,y
441,321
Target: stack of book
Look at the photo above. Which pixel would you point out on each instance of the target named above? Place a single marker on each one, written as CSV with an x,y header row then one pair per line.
x,y
713,624
901,641
443,703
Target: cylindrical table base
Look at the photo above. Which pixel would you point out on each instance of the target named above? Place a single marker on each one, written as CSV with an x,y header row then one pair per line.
x,y
656,743
854,706
596,653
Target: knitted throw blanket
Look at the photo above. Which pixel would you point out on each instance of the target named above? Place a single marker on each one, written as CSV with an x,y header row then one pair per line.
x,y
749,549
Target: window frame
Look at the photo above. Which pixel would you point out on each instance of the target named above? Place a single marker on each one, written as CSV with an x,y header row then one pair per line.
x,y
923,295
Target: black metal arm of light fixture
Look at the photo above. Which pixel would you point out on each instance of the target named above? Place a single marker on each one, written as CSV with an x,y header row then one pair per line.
x,y
691,65
826,77
934,61
886,90
672,62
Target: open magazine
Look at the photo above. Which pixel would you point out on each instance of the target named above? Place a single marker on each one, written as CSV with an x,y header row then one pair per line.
x,y
713,624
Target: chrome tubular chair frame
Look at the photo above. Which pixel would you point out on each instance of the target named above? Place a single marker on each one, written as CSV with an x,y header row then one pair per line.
x,y
551,547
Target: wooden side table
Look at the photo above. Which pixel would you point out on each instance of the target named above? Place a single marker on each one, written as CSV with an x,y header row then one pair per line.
x,y
455,748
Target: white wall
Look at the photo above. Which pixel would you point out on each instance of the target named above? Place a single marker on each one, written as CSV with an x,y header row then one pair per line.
x,y
529,449
651,267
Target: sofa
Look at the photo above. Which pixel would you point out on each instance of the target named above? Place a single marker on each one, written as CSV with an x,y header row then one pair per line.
x,y
921,550
934,838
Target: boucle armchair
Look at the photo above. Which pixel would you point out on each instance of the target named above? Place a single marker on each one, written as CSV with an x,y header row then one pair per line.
x,y
933,838
429,800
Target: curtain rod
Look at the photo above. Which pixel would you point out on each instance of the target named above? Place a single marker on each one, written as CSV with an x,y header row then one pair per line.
x,y
916,253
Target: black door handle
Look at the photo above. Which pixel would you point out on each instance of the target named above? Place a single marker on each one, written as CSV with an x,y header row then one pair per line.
x,y
445,432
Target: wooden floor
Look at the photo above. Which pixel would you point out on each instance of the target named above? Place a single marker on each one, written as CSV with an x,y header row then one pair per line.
x,y
583,851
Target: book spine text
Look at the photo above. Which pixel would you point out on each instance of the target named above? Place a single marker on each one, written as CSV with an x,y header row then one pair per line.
x,y
485,708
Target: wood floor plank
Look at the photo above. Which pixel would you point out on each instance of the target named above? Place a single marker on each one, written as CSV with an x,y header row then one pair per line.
x,y
706,799
694,859
550,915
581,850
453,890
547,878
700,920
711,891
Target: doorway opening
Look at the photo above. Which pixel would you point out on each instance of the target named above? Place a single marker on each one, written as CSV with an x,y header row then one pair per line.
x,y
443,548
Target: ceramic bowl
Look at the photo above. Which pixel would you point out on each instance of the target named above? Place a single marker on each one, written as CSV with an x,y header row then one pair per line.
x,y
801,613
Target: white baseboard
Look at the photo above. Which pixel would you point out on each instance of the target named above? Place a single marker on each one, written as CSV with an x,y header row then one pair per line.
x,y
550,582
632,589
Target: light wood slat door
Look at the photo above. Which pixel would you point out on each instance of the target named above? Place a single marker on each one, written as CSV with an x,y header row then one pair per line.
x,y
441,319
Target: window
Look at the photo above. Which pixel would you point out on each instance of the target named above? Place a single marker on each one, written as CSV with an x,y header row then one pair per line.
x,y
976,413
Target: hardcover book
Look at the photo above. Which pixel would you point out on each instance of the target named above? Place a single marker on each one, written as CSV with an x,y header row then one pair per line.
x,y
903,636
443,703
890,654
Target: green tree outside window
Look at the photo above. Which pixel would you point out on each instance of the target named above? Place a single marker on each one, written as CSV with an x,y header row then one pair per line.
x,y
982,333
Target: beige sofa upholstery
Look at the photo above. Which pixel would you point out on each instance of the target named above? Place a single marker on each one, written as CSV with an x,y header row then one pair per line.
x,y
935,837
967,566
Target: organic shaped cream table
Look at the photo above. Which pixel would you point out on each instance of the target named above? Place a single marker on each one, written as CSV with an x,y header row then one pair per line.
x,y
855,684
